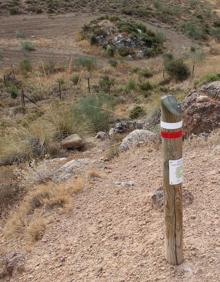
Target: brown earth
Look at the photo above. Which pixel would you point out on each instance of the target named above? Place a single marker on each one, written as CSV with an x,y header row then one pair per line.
x,y
113,234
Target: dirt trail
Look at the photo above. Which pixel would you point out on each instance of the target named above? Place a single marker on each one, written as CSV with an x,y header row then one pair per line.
x,y
53,36
113,234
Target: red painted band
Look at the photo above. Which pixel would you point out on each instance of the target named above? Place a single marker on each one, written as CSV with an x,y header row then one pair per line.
x,y
171,135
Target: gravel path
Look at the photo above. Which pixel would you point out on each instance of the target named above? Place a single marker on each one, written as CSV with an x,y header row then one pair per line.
x,y
113,234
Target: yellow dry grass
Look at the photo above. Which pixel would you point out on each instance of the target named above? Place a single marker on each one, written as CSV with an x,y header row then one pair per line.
x,y
29,220
94,174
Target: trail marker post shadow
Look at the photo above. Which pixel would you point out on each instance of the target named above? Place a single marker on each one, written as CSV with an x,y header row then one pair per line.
x,y
171,133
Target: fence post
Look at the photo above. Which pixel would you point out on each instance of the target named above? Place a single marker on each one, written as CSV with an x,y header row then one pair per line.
x,y
171,133
22,100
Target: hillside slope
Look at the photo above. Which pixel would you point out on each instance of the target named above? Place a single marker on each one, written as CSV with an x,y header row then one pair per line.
x,y
113,234
189,16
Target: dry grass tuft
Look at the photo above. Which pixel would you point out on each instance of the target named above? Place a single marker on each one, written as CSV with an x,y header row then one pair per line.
x,y
30,217
36,229
94,174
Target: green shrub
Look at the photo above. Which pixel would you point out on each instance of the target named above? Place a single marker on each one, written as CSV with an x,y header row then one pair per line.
x,y
194,30
25,66
93,40
177,69
146,86
105,83
210,77
75,79
27,46
94,112
89,63
51,5
131,85
13,90
19,35
136,112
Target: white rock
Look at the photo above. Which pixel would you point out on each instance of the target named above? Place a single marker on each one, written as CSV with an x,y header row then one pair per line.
x,y
69,169
136,137
101,135
73,141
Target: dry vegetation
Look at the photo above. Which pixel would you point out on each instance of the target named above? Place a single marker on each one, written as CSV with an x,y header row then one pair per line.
x,y
30,219
59,103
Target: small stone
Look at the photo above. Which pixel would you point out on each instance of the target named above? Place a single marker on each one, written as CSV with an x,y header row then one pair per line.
x,y
73,141
101,135
125,184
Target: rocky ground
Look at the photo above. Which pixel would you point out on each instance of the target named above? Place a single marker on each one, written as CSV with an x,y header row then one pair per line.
x,y
112,233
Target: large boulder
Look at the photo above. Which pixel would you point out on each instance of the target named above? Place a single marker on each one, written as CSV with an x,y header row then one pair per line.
x,y
201,109
136,137
73,141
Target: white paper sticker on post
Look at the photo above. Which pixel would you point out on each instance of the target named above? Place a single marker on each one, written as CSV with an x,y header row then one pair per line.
x,y
175,172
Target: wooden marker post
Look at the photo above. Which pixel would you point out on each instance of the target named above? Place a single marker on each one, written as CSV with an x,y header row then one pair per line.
x,y
171,133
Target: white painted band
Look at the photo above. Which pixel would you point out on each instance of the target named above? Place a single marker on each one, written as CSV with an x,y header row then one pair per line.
x,y
175,125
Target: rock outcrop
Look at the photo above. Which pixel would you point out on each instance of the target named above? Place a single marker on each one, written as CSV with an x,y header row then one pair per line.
x,y
126,38
138,137
201,109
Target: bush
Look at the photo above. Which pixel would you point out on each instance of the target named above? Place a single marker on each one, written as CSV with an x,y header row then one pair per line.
x,y
89,63
48,67
19,35
75,79
131,85
94,112
211,77
27,46
177,69
194,30
136,112
25,66
63,120
13,90
105,84
146,86
93,40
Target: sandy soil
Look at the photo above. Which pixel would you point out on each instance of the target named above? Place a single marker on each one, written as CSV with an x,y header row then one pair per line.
x,y
113,234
